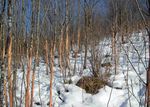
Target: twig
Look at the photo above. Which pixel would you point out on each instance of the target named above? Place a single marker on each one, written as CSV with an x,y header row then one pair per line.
x,y
133,66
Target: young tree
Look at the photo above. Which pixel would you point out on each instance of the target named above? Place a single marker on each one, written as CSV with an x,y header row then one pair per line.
x,y
2,55
88,25
52,50
148,31
9,52
147,12
67,33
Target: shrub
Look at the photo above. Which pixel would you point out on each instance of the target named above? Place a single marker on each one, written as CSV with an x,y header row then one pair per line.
x,y
91,84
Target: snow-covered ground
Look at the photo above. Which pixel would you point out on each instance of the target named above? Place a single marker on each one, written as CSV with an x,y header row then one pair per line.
x,y
125,89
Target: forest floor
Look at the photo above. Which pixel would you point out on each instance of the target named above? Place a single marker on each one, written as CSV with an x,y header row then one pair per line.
x,y
126,87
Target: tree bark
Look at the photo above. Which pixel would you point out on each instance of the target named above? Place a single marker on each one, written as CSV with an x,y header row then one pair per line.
x,y
52,50
27,94
9,52
148,76
2,65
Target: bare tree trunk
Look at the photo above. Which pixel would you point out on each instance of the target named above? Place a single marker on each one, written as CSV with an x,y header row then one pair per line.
x,y
148,76
29,65
10,71
61,51
88,28
85,55
27,94
36,62
33,78
46,56
79,29
67,34
114,50
9,52
148,31
78,37
2,65
38,33
148,72
3,87
4,71
52,50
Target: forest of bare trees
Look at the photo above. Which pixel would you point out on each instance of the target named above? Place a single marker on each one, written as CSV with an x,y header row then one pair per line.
x,y
32,31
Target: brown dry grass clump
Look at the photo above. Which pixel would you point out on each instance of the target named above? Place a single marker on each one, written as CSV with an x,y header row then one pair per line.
x,y
91,84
